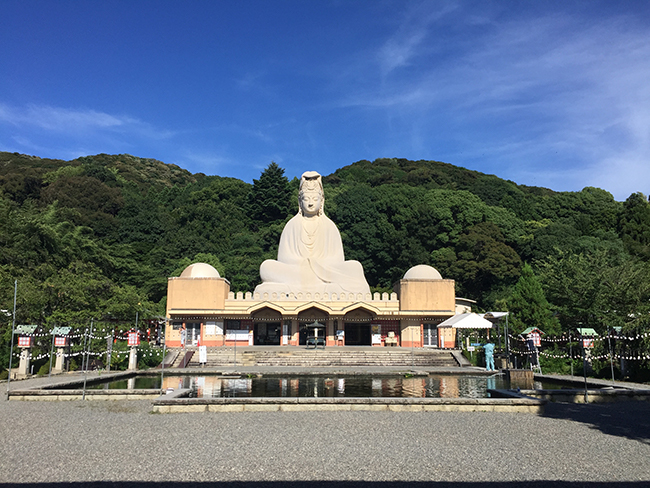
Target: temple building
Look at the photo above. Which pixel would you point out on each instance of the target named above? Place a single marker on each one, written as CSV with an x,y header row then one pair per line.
x,y
311,282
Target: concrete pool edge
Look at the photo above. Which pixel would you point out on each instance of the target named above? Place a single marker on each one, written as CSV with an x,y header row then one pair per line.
x,y
78,394
294,404
601,395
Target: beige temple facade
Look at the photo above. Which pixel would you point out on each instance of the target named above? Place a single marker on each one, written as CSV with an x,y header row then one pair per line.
x,y
310,282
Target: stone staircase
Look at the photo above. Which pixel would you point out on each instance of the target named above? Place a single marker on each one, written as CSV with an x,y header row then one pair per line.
x,y
342,357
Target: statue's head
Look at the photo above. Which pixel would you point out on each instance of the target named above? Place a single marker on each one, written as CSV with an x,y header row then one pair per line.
x,y
311,197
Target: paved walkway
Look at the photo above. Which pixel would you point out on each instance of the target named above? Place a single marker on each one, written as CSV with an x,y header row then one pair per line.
x,y
594,382
56,379
120,443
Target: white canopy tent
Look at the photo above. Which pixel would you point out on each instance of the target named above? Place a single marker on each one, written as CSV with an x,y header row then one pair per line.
x,y
496,318
466,321
495,315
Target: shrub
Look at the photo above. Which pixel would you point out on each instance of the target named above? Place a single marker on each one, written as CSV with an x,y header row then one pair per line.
x,y
148,356
44,369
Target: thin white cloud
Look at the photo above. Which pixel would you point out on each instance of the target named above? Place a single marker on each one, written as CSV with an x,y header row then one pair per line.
x,y
621,175
67,133
549,98
398,51
407,42
204,161
59,119
73,121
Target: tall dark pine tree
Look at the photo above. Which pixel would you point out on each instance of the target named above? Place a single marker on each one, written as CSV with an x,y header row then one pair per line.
x,y
270,199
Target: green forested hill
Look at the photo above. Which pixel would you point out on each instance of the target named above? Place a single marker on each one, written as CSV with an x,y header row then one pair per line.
x,y
99,235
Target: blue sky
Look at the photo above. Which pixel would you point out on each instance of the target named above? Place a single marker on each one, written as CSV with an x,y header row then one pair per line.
x,y
544,93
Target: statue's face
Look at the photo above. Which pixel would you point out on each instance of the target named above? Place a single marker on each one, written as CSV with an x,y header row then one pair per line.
x,y
310,202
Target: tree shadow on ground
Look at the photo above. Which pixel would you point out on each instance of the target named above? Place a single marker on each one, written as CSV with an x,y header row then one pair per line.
x,y
629,419
333,484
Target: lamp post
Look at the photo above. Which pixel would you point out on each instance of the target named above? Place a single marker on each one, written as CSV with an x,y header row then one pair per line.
x,y
412,353
571,353
109,349
13,330
611,354
162,365
507,341
49,375
83,396
83,353
584,365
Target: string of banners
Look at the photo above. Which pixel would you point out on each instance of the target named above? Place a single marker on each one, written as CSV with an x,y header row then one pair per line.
x,y
638,357
87,353
629,357
83,332
576,338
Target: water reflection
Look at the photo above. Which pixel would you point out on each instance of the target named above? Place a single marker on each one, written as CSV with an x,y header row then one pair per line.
x,y
349,386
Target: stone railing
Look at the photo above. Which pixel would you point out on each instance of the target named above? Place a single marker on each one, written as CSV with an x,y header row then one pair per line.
x,y
322,297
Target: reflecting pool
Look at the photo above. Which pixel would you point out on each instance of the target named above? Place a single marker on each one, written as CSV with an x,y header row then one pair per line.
x,y
214,386
461,386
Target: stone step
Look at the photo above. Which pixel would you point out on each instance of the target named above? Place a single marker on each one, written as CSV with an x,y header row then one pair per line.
x,y
324,358
333,356
321,353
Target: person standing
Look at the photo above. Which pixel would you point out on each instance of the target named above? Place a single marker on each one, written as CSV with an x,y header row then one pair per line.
x,y
489,356
183,336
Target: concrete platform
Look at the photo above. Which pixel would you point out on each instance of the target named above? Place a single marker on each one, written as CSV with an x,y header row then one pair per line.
x,y
185,405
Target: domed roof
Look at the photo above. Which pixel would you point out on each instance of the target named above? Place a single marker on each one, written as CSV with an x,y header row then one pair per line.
x,y
422,272
200,270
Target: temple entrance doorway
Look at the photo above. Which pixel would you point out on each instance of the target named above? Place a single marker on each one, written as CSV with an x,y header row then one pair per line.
x,y
267,333
309,316
193,333
430,338
302,334
357,334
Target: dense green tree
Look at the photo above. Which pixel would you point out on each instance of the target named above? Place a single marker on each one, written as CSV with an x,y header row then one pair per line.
x,y
547,238
596,211
96,204
599,289
639,346
142,219
484,262
528,306
23,186
634,225
242,263
363,231
206,217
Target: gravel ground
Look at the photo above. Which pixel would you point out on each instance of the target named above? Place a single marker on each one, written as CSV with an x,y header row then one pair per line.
x,y
118,441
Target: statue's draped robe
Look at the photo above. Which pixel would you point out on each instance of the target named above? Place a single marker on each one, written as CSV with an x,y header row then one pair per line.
x,y
312,261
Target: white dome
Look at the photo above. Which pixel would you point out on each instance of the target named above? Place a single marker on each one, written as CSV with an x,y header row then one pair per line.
x,y
422,272
200,270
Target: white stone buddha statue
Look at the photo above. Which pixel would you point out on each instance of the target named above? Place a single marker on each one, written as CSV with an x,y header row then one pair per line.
x,y
310,256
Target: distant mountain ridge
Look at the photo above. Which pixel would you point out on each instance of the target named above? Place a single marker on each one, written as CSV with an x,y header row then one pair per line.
x,y
142,171
147,171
